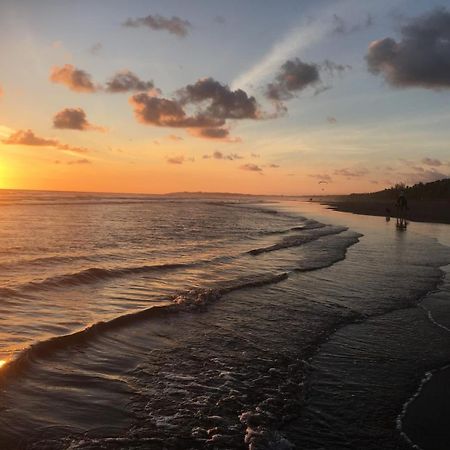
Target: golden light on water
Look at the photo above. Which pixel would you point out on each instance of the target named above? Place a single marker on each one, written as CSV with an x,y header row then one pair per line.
x,y
2,362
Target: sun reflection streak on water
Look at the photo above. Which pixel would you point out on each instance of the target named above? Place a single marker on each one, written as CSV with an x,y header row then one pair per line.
x,y
2,362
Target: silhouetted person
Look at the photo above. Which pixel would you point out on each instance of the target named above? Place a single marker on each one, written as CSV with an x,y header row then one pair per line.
x,y
402,206
388,214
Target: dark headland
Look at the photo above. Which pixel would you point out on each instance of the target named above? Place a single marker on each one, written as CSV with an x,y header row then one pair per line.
x,y
427,202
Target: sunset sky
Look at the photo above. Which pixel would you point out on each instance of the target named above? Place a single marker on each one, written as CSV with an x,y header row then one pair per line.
x,y
263,97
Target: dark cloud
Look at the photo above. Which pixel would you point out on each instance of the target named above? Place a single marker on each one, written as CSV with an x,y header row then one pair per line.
x,y
294,76
223,102
202,108
127,81
27,137
431,162
251,167
332,120
273,166
174,25
75,79
220,155
420,57
351,172
73,119
169,113
220,19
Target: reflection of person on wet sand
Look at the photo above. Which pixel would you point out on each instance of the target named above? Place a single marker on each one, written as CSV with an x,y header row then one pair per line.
x,y
388,214
402,206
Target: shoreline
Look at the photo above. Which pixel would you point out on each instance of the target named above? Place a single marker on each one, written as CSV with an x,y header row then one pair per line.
x,y
418,211
425,415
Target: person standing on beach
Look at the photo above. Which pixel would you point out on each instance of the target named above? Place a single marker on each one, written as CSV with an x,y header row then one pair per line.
x,y
402,206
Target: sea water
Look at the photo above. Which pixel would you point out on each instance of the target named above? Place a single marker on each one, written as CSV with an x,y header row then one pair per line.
x,y
171,323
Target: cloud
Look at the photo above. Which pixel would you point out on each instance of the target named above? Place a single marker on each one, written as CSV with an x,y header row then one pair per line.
x,y
333,68
210,133
127,81
202,108
332,120
176,159
296,40
80,81
420,58
174,137
80,161
251,167
220,155
321,177
174,25
273,166
75,79
431,162
96,48
169,113
351,172
295,75
27,137
224,103
342,27
255,155
73,119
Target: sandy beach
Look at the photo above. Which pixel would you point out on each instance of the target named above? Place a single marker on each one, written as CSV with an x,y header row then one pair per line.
x,y
419,211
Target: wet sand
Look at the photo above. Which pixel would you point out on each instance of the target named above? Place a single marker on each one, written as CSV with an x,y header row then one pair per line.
x,y
419,211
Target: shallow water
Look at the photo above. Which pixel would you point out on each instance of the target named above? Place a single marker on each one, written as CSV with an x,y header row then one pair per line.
x,y
148,323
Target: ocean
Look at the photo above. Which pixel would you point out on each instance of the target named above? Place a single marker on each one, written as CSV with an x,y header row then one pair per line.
x,y
149,322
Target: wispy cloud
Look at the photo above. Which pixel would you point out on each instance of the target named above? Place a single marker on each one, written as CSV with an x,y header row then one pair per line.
x,y
308,33
295,41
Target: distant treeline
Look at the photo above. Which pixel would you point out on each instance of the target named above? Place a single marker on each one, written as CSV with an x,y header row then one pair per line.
x,y
436,190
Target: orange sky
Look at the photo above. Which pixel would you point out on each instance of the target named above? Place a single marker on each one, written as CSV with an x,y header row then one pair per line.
x,y
214,105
